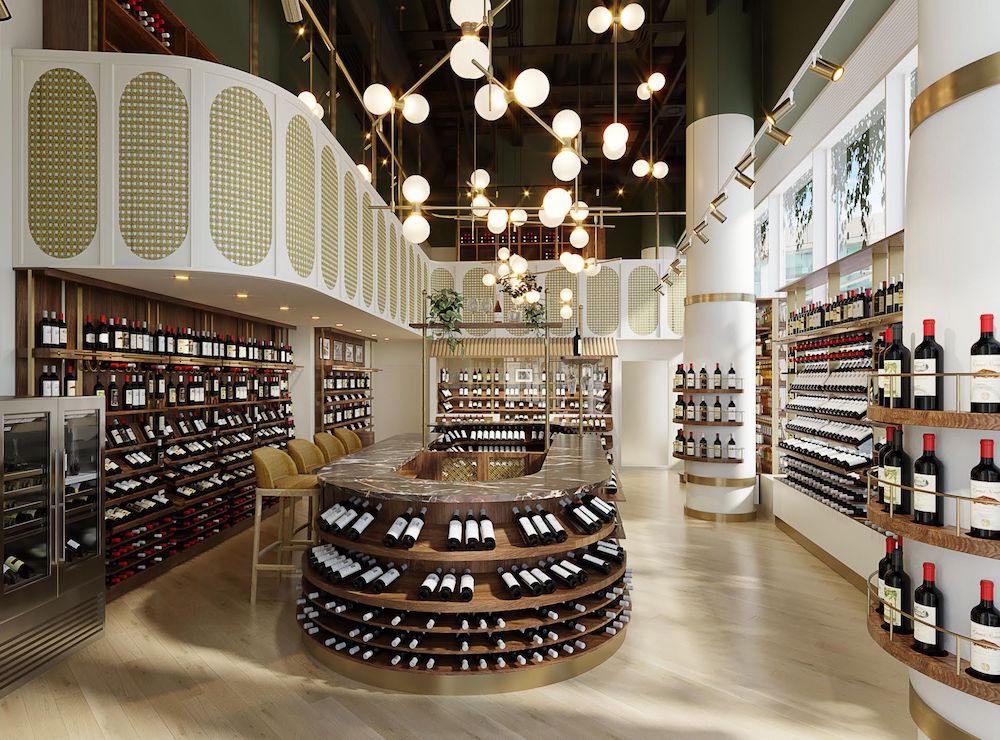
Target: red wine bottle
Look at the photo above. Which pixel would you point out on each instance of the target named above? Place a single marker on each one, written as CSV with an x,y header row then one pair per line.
x,y
897,472
896,369
984,661
928,609
984,488
928,474
883,568
985,356
897,594
928,359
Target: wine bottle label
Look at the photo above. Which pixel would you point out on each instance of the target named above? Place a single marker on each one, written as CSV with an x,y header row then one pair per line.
x,y
893,602
486,528
985,389
468,582
986,650
471,529
881,588
454,530
985,504
893,382
397,528
924,386
926,502
448,582
363,521
892,475
925,633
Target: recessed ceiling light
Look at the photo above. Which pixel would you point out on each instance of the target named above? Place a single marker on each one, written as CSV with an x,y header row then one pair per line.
x,y
375,335
357,331
242,295
315,318
182,277
385,339
283,308
338,324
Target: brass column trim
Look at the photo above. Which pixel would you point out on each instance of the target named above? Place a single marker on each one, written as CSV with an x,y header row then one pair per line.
x,y
931,723
711,516
720,298
954,86
703,480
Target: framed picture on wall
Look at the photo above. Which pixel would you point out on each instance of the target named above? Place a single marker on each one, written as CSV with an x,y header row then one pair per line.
x,y
524,375
324,348
359,354
349,353
338,351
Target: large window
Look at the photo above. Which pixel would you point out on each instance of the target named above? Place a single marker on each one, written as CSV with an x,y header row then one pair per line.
x,y
760,249
797,227
858,164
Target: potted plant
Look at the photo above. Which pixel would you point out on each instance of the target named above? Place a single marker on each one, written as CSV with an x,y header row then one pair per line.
x,y
446,310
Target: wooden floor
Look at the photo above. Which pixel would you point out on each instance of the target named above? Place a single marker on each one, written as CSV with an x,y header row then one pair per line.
x,y
738,633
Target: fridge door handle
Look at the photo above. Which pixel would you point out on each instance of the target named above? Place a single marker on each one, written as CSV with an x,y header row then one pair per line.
x,y
61,508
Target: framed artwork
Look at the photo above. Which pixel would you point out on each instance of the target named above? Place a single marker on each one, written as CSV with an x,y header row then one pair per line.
x,y
359,354
524,375
338,351
324,348
349,353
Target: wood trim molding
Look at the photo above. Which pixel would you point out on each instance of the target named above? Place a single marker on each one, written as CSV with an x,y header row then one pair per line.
x,y
823,556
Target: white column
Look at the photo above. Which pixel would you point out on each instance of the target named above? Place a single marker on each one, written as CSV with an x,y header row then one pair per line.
x,y
721,330
951,262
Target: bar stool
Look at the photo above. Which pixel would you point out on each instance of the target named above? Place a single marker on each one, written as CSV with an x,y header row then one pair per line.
x,y
331,446
306,455
350,440
277,477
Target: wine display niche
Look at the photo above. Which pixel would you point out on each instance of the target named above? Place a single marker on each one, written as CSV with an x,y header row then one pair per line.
x,y
190,393
474,572
344,387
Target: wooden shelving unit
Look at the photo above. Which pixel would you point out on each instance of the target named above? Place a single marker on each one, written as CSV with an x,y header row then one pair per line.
x,y
344,383
531,242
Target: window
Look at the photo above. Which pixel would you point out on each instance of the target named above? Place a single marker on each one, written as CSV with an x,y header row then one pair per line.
x,y
797,232
760,249
858,162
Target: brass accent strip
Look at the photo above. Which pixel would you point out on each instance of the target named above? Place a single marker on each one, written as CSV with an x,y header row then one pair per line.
x,y
704,480
823,556
720,298
931,723
461,683
710,516
954,86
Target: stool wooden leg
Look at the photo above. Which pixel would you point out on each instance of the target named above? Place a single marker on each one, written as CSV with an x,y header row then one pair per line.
x,y
257,517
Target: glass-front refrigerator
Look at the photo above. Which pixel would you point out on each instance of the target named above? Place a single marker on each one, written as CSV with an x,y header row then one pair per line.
x,y
51,538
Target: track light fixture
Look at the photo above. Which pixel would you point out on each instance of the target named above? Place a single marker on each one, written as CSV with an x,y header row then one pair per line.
x,y
742,166
684,245
744,179
778,113
780,136
747,160
699,231
713,207
675,266
659,289
827,69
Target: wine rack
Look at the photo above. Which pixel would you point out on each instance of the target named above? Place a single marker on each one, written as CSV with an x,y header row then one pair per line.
x,y
768,380
344,383
493,641
531,242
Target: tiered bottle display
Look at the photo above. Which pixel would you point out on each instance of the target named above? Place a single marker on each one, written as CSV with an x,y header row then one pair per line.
x,y
705,398
347,399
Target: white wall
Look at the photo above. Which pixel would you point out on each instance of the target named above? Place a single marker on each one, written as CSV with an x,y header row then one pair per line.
x,y
396,388
643,402
302,382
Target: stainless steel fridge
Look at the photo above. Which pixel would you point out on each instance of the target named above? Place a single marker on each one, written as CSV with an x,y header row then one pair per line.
x,y
52,533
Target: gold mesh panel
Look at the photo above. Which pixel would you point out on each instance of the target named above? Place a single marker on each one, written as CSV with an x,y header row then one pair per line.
x,y
643,302
505,467
367,249
394,241
404,285
300,196
330,205
414,297
153,177
441,278
675,303
350,234
554,283
383,261
474,290
603,302
62,163
459,468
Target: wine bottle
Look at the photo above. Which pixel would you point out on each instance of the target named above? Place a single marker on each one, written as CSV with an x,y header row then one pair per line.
x,y
455,531
679,376
896,368
391,538
717,377
429,585
361,523
928,359
984,489
414,528
487,531
531,537
472,539
985,357
89,334
69,384
577,343
467,586
897,472
114,399
984,662
703,378
510,581
927,607
897,594
448,584
928,474
883,567
731,411
386,579
18,567
690,378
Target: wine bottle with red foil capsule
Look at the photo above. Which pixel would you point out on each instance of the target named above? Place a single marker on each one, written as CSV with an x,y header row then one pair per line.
x,y
928,475
984,357
898,595
928,359
984,489
896,370
883,568
897,474
984,660
928,608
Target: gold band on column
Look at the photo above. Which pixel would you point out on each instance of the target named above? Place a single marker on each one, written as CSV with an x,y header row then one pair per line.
x,y
711,516
704,480
931,723
720,298
955,86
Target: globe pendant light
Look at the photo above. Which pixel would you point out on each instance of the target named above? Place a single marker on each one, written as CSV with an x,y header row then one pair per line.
x,y
643,91
366,174
503,270
566,295
600,19
549,220
579,211
632,16
660,170
416,189
566,312
496,220
591,266
317,110
308,99
616,136
566,164
480,179
377,99
518,264
566,124
518,217
480,205
611,153
503,254
574,263
491,102
531,88
468,49
489,280
557,202
469,11
416,229
656,81
579,237
640,168
533,296
416,108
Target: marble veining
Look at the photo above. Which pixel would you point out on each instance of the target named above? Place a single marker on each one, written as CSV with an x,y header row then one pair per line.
x,y
574,464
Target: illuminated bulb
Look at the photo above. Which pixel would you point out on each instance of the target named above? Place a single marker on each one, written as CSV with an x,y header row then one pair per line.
x,y
518,217
469,49
566,294
579,211
377,99
600,19
366,174
575,263
579,237
503,254
566,124
531,88
632,16
642,91
591,266
469,11
317,110
660,170
416,229
490,102
489,280
503,269
480,179
308,99
416,108
480,205
566,312
518,264
657,81
640,168
557,202
416,189
496,220
566,164
549,220
612,152
532,296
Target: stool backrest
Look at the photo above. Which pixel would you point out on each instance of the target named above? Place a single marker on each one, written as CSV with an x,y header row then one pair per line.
x,y
270,465
350,440
331,446
306,455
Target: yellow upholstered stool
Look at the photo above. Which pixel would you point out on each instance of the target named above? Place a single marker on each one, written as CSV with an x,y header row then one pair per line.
x,y
277,477
331,446
349,439
306,456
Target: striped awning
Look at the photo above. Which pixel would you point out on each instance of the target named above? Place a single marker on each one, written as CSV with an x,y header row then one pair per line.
x,y
517,347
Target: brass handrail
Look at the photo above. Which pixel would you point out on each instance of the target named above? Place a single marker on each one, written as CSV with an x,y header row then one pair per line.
x,y
957,497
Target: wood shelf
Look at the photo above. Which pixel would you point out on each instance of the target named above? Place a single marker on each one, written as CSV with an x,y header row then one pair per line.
x,y
52,353
943,419
696,458
696,423
709,391
848,327
944,536
822,463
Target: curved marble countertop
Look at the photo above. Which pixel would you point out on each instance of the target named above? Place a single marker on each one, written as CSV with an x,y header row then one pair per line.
x,y
573,464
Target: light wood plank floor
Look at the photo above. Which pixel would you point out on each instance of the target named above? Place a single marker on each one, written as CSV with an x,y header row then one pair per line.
x,y
737,633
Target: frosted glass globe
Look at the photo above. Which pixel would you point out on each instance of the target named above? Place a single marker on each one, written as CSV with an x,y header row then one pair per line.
x,y
416,189
480,179
496,220
642,91
591,266
366,174
308,98
566,294
468,49
531,88
480,205
657,81
503,254
579,211
660,170
377,99
416,229
532,296
632,16
518,217
579,237
600,19
416,108
574,263
566,165
616,135
317,110
491,102
518,264
564,258
640,168
503,270
489,279
566,312
612,153
566,124
549,220
468,11
557,201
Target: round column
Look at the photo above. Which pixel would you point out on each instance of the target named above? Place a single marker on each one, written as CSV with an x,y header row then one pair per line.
x,y
719,306
949,263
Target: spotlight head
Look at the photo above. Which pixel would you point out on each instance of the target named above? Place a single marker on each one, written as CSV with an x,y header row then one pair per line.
x,y
780,136
827,69
719,199
659,289
748,160
744,179
699,231
778,113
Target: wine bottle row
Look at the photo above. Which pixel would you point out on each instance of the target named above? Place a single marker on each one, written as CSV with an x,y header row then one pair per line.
x,y
849,408
828,454
346,380
699,410
851,306
153,22
703,380
713,451
478,375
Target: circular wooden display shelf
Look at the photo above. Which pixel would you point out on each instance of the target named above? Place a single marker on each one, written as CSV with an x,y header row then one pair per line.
x,y
716,460
490,596
433,545
450,680
945,536
697,423
942,669
943,419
